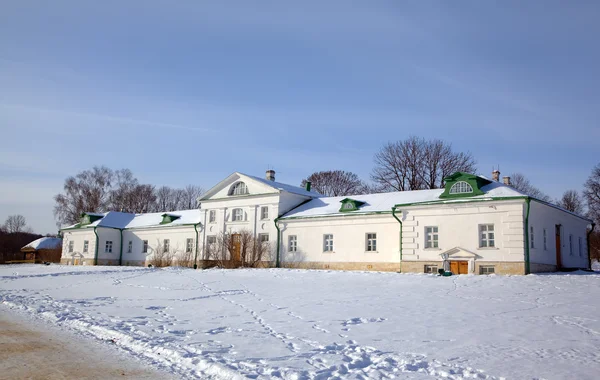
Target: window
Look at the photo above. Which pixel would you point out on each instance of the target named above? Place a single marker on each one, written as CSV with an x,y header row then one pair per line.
x,y
237,215
166,245
145,246
545,240
263,238
328,243
292,243
86,245
130,247
461,187
211,240
486,269
348,206
238,189
430,269
431,237
71,246
212,216
371,243
531,238
486,236
264,212
189,244
580,245
108,246
571,245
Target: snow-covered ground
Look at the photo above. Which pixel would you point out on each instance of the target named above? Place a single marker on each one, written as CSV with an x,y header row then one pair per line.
x,y
324,324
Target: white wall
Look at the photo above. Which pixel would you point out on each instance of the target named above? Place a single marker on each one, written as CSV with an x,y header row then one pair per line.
x,y
542,216
78,237
155,236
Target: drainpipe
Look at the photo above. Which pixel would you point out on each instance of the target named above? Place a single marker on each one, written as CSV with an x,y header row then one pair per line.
x,y
196,250
278,241
400,239
96,250
121,249
528,202
588,245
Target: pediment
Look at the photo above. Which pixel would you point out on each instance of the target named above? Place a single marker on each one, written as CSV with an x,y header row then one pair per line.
x,y
223,189
459,253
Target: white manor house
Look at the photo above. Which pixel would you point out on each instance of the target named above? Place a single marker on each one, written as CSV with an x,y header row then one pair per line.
x,y
473,225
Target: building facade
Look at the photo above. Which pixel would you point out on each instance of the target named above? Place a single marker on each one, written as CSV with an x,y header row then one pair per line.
x,y
472,226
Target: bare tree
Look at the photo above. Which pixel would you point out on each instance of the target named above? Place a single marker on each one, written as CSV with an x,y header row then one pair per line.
x,y
591,194
334,183
15,224
87,191
162,256
190,195
522,184
571,201
142,199
121,194
416,164
240,249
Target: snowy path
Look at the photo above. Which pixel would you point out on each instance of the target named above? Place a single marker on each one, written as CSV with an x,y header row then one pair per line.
x,y
292,324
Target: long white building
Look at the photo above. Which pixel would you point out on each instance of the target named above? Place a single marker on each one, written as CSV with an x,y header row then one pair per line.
x,y
473,225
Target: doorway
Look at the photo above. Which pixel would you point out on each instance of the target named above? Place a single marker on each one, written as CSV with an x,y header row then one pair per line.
x,y
459,267
236,245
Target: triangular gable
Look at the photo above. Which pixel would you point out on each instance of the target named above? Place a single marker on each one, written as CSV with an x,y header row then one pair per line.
x,y
459,253
222,189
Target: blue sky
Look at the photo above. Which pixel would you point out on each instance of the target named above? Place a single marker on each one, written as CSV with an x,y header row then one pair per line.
x,y
189,91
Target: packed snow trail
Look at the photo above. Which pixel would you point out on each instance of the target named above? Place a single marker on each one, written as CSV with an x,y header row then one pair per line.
x,y
293,324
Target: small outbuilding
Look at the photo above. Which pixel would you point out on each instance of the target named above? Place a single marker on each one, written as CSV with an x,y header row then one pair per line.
x,y
43,249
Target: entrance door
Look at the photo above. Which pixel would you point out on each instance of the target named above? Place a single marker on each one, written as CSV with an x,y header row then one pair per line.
x,y
558,248
75,261
237,245
459,267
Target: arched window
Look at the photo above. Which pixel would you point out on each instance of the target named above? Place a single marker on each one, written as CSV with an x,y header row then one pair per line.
x,y
348,206
461,188
239,188
237,215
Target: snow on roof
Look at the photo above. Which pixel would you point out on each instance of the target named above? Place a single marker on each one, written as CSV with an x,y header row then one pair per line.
x,y
114,219
44,243
285,187
385,201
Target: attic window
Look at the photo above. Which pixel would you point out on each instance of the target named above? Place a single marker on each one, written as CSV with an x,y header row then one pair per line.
x,y
239,188
350,205
169,218
461,187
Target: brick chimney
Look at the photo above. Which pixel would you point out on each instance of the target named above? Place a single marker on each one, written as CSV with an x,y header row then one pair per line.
x,y
496,175
506,181
270,175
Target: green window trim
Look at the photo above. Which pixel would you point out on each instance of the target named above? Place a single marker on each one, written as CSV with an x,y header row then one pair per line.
x,y
349,205
88,218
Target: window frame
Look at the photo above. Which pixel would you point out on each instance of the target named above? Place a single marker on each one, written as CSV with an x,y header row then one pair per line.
x,y
212,216
434,243
487,239
86,246
545,236
108,245
166,245
71,246
234,217
189,245
144,246
209,238
531,237
328,244
462,187
371,242
264,213
430,267
486,269
239,188
293,247
130,246
261,238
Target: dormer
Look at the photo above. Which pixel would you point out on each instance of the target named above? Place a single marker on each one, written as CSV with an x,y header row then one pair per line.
x,y
169,218
238,188
460,185
89,218
350,205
